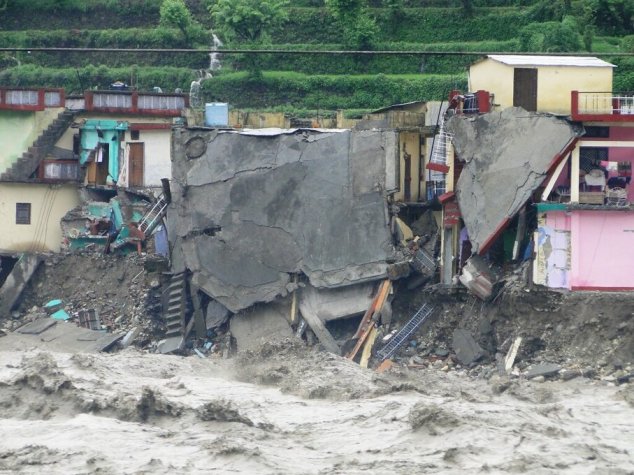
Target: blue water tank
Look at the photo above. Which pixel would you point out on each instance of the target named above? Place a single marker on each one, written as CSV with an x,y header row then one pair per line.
x,y
216,114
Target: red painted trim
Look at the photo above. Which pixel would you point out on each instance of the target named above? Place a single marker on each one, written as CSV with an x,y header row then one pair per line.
x,y
123,110
22,107
438,167
602,117
604,289
561,155
149,126
445,197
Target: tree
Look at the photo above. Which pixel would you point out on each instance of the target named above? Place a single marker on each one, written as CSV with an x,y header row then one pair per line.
x,y
251,21
551,36
175,14
359,29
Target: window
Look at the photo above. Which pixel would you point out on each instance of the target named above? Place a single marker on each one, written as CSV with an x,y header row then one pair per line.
x,y
135,135
23,213
61,170
593,131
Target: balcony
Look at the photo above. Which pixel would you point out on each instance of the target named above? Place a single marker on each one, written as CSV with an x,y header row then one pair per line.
x,y
602,106
30,99
147,103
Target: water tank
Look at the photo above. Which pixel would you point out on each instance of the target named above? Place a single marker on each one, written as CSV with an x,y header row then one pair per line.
x,y
216,114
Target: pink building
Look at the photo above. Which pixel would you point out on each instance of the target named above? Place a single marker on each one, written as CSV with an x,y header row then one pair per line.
x,y
585,233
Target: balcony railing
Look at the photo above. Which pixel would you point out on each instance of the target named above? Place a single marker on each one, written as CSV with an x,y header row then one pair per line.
x,y
30,99
602,106
133,102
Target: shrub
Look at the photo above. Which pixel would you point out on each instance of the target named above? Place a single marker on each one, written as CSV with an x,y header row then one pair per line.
x,y
327,92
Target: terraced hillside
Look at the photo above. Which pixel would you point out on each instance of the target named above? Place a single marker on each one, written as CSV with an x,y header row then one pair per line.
x,y
302,81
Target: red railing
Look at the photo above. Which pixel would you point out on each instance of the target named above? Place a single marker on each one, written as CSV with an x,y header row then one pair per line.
x,y
30,99
127,102
602,106
134,102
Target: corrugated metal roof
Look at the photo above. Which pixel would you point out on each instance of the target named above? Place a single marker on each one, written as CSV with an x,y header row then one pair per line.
x,y
396,106
579,61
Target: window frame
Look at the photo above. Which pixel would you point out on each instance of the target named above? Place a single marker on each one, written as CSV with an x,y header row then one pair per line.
x,y
19,212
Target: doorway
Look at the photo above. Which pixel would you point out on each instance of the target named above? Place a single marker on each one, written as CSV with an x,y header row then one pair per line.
x,y
525,88
136,163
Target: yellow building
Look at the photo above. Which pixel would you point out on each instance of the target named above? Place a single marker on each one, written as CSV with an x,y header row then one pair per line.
x,y
30,214
539,83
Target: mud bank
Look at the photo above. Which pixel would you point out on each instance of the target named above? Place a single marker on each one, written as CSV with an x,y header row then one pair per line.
x,y
139,413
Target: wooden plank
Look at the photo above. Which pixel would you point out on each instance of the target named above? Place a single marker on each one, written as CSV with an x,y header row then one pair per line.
x,y
574,176
367,349
510,357
553,178
385,366
366,322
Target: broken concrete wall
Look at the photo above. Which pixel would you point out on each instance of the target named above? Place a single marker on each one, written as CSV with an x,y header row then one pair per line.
x,y
16,281
507,156
251,209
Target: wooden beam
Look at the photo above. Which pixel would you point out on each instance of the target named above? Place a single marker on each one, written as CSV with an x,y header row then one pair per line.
x,y
366,324
574,175
367,349
553,178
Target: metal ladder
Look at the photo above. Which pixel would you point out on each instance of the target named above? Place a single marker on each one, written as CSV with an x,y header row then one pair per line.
x,y
437,165
425,260
441,145
397,340
153,217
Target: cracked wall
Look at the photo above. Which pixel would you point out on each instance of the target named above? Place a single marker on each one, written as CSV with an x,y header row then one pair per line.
x,y
250,210
506,157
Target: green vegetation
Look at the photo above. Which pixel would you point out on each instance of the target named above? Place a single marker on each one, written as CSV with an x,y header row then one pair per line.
x,y
96,77
329,92
301,82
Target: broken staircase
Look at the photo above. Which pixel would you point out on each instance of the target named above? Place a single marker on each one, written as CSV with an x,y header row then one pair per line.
x,y
404,333
153,217
174,314
25,167
157,212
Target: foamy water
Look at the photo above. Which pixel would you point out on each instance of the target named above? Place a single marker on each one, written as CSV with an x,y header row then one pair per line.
x,y
140,413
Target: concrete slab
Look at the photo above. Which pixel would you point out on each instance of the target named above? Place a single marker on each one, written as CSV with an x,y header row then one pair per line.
x,y
466,348
507,156
253,210
13,286
60,336
544,369
333,304
263,323
37,326
170,345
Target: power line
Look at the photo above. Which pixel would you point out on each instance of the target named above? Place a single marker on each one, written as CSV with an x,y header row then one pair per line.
x,y
296,52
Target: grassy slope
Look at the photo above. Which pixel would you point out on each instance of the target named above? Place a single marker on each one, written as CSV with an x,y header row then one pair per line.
x,y
329,82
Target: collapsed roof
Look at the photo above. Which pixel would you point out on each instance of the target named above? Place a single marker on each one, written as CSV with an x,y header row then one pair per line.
x,y
251,208
507,155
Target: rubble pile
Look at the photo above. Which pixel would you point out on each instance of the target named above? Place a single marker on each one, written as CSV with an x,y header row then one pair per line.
x,y
561,335
116,290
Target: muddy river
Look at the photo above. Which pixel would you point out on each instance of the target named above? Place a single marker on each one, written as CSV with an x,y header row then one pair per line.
x,y
298,413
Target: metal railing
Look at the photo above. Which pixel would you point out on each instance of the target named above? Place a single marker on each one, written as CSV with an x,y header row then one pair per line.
x,y
602,105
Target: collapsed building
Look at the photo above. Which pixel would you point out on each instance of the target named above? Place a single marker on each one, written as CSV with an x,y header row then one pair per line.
x,y
273,231
259,215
